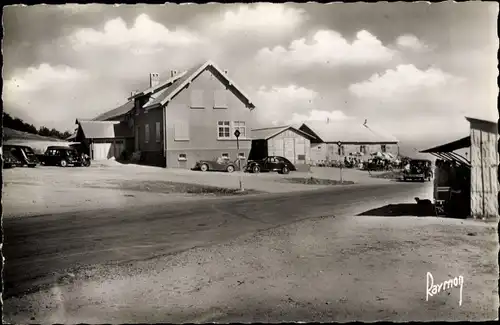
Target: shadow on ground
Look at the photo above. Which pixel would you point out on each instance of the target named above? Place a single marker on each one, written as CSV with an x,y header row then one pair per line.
x,y
403,209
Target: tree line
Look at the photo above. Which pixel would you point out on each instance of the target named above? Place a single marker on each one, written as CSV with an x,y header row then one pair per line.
x,y
19,125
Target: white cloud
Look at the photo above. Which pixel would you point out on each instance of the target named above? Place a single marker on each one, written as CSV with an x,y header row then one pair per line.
x,y
263,17
291,104
404,80
411,42
330,47
42,77
145,35
317,115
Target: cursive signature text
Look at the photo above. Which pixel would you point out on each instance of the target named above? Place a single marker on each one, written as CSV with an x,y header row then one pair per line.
x,y
433,289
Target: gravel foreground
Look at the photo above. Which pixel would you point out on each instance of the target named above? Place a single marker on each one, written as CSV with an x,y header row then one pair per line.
x,y
329,269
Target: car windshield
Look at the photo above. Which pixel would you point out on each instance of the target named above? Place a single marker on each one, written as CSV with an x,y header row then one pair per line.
x,y
28,152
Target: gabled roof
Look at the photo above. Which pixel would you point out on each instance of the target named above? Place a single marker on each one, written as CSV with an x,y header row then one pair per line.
x,y
268,133
161,85
347,131
168,93
116,112
98,129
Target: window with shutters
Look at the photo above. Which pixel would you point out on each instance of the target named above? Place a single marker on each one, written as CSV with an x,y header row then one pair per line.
x,y
223,130
181,131
362,149
220,98
240,126
158,132
383,147
197,98
146,133
341,150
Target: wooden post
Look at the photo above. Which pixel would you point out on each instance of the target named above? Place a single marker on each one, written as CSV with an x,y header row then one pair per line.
x,y
341,160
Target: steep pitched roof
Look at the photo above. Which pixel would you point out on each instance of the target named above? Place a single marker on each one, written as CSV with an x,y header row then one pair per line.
x,y
167,94
267,133
348,131
160,86
98,129
116,112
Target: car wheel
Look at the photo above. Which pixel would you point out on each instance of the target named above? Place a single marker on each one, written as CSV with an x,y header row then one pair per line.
x,y
204,168
230,169
285,170
64,163
256,169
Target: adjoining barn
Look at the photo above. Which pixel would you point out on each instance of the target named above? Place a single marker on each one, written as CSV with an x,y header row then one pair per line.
x,y
354,138
284,141
483,165
103,140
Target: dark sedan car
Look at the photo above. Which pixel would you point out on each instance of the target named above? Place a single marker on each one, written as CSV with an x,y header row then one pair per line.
x,y
219,165
270,164
9,160
61,156
24,155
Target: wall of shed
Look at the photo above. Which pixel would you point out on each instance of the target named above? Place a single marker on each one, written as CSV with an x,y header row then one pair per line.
x,y
484,181
322,152
276,146
202,123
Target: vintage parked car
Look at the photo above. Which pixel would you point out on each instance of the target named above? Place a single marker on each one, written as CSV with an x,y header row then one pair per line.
x,y
25,155
62,156
9,160
271,163
418,169
218,165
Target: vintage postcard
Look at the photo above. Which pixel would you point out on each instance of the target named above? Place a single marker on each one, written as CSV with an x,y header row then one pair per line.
x,y
263,162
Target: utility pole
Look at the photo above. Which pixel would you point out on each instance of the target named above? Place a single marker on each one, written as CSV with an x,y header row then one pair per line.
x,y
237,135
341,160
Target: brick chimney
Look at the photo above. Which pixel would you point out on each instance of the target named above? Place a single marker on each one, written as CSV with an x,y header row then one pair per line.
x,y
154,79
173,73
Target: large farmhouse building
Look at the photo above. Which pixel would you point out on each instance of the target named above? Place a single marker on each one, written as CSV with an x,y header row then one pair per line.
x,y
333,140
190,116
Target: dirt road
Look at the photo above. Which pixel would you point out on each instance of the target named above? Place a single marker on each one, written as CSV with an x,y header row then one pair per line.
x,y
36,246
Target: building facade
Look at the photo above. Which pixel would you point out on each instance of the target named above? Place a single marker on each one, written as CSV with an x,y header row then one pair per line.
x,y
334,140
191,116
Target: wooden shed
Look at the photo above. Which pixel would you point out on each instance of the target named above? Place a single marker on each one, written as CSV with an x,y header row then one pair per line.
x,y
284,141
484,168
484,160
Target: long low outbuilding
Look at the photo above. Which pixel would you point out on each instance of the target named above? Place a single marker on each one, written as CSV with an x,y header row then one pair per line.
x,y
333,140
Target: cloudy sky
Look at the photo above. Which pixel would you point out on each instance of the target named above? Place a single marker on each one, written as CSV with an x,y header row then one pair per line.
x,y
413,69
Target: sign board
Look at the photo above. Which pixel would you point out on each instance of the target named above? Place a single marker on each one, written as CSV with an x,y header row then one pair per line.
x,y
237,133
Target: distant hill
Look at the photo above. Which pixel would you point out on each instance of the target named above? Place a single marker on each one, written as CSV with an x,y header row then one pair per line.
x,y
11,134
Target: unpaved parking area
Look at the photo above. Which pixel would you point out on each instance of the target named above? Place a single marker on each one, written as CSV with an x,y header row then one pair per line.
x,y
328,269
110,184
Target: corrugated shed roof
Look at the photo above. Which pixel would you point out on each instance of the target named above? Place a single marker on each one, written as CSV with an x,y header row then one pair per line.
x,y
116,112
348,131
269,132
98,129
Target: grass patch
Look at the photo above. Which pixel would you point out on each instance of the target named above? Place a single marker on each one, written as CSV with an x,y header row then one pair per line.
x,y
316,181
171,187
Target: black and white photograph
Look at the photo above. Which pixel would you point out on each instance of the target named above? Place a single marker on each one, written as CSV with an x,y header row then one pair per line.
x,y
250,162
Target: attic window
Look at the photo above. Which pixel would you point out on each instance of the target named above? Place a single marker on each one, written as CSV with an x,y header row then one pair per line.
x,y
220,98
197,98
